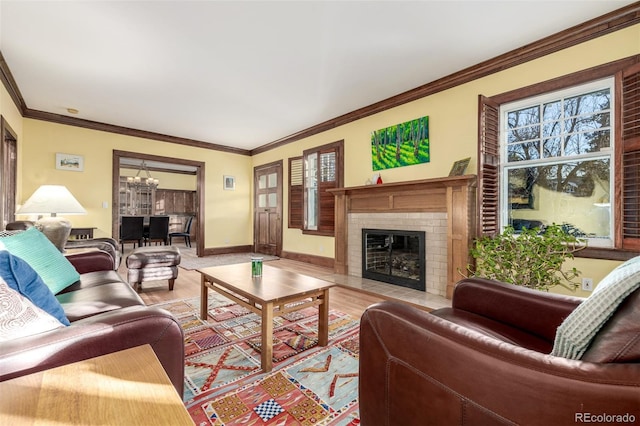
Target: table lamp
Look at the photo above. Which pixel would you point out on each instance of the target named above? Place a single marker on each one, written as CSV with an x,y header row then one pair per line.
x,y
53,200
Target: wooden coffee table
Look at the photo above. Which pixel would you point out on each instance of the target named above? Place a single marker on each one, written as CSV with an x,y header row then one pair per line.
x,y
271,295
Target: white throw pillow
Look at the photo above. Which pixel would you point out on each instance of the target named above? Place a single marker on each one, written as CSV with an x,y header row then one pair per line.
x,y
578,330
19,317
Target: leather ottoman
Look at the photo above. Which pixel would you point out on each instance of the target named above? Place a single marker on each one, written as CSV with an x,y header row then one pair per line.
x,y
151,264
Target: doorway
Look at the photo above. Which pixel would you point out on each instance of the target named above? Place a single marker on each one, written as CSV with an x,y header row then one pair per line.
x,y
8,172
168,165
267,210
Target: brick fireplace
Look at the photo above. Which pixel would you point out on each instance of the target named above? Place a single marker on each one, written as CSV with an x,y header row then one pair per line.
x,y
444,208
434,226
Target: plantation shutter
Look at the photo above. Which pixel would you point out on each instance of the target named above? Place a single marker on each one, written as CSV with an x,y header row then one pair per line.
x,y
488,167
630,173
326,200
296,193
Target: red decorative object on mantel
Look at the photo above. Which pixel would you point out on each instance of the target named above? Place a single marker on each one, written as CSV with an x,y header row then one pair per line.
x,y
379,181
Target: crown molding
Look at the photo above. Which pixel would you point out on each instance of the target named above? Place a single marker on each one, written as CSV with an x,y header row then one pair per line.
x,y
14,92
95,125
597,27
10,84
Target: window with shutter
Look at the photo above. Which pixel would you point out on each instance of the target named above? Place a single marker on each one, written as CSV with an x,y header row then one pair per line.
x,y
311,207
585,148
328,180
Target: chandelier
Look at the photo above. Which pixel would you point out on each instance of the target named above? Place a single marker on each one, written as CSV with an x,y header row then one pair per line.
x,y
141,182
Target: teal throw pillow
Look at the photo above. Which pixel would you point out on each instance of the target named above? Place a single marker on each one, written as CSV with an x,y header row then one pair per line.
x,y
576,332
36,249
22,278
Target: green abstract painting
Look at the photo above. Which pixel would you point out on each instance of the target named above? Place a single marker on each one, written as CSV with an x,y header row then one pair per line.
x,y
401,145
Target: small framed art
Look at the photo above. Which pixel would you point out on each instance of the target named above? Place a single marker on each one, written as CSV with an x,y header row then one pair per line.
x,y
70,162
459,167
229,183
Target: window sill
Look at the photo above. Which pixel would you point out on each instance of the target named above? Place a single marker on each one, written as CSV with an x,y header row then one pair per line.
x,y
320,233
605,254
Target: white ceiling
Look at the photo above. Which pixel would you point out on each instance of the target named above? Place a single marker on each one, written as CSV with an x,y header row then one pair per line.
x,y
246,73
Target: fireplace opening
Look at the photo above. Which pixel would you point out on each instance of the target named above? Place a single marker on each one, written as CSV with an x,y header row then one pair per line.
x,y
395,257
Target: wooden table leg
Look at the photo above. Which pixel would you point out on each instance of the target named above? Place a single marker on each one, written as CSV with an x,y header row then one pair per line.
x,y
266,358
323,319
204,298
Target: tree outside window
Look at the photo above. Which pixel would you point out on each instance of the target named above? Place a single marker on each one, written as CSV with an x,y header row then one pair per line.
x,y
556,163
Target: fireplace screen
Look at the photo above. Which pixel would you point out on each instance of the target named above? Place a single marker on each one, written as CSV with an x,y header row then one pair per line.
x,y
395,257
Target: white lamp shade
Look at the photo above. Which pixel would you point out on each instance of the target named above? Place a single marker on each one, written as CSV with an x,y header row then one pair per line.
x,y
52,199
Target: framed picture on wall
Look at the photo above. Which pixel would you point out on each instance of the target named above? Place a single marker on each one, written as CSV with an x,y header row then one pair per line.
x,y
70,162
459,167
229,183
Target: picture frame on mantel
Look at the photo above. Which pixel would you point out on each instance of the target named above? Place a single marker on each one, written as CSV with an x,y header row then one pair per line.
x,y
69,162
229,183
460,167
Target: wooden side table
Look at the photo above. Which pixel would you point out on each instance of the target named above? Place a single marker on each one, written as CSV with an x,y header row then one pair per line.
x,y
123,388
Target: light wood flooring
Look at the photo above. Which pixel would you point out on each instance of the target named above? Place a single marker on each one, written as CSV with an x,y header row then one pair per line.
x,y
346,296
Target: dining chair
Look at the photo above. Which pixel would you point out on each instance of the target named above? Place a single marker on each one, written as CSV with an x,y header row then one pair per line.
x,y
158,230
131,231
186,233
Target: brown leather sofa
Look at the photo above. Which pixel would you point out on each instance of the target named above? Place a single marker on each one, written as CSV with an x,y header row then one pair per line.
x,y
486,361
105,244
106,316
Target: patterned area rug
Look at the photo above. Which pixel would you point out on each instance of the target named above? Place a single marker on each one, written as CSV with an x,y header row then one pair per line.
x,y
191,262
309,385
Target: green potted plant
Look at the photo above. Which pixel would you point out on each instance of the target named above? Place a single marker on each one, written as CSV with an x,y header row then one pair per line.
x,y
532,258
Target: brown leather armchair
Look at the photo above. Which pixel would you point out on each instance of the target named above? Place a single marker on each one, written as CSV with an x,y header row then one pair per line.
x,y
486,361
